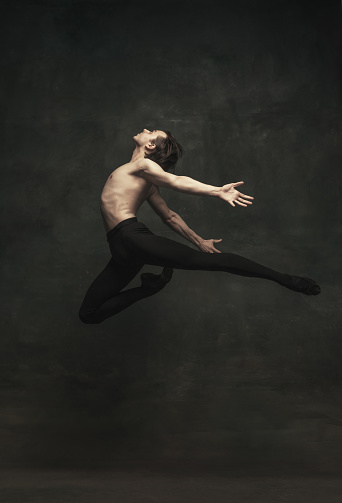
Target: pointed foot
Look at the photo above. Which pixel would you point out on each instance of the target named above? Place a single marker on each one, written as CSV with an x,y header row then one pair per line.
x,y
156,282
304,285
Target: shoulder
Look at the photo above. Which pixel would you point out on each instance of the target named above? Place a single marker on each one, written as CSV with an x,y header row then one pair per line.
x,y
146,164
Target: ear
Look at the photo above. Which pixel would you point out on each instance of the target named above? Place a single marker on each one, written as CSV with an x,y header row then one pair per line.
x,y
150,146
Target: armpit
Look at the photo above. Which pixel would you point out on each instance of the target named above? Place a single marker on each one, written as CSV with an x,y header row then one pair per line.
x,y
153,190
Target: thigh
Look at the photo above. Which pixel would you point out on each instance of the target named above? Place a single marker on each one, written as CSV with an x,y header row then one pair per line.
x,y
108,283
157,250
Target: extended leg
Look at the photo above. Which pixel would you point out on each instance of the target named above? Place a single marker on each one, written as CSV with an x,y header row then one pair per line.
x,y
157,250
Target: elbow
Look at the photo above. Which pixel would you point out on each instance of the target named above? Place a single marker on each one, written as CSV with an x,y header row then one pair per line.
x,y
170,218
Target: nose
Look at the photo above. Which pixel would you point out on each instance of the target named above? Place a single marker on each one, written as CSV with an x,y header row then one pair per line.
x,y
146,131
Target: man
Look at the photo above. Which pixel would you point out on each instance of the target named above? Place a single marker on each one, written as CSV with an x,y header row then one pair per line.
x,y
133,245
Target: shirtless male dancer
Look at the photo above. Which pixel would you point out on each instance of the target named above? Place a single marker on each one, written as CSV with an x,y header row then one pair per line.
x,y
133,245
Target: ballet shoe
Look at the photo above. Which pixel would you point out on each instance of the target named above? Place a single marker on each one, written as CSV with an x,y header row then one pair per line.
x,y
296,284
313,287
156,281
166,274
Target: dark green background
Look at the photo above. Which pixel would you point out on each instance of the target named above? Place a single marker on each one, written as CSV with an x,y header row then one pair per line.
x,y
217,372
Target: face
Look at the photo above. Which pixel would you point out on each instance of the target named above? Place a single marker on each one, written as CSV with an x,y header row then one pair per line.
x,y
146,136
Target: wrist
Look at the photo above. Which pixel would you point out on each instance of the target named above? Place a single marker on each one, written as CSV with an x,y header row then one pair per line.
x,y
216,192
198,241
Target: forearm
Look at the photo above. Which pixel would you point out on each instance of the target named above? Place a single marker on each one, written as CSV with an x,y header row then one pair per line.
x,y
177,224
191,186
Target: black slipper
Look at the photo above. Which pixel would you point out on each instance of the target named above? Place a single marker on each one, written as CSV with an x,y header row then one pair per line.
x,y
156,281
296,285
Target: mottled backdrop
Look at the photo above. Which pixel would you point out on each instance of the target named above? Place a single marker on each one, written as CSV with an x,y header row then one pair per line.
x,y
217,372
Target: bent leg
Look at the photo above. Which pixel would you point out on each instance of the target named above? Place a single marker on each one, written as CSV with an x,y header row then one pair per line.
x,y
104,299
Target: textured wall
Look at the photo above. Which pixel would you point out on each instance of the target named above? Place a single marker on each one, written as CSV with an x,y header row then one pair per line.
x,y
217,371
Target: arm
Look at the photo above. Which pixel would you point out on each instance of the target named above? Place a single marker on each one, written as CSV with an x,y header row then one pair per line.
x,y
152,172
177,224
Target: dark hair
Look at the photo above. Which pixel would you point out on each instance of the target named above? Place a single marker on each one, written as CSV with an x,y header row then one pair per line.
x,y
167,152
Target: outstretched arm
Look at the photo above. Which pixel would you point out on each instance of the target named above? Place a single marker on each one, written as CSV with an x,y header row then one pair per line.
x,y
177,224
152,172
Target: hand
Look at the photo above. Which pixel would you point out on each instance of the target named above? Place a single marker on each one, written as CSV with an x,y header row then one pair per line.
x,y
231,195
207,245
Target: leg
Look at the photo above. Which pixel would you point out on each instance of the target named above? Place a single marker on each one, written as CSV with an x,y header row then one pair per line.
x,y
156,250
104,299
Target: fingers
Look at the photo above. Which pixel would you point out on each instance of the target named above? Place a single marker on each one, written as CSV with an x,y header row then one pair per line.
x,y
244,195
243,200
216,241
237,183
231,203
240,202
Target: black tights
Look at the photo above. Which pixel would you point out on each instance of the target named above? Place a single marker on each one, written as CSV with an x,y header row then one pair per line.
x,y
133,245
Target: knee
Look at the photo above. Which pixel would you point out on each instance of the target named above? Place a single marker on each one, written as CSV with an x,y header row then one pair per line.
x,y
87,317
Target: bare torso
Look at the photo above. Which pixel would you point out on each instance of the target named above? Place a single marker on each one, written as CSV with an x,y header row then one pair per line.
x,y
123,194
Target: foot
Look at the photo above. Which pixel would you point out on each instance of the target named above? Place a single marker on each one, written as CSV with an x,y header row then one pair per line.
x,y
303,285
156,282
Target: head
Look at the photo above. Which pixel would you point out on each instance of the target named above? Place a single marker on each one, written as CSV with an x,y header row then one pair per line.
x,y
161,147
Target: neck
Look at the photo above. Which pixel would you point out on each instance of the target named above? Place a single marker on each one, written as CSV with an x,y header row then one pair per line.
x,y
138,153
